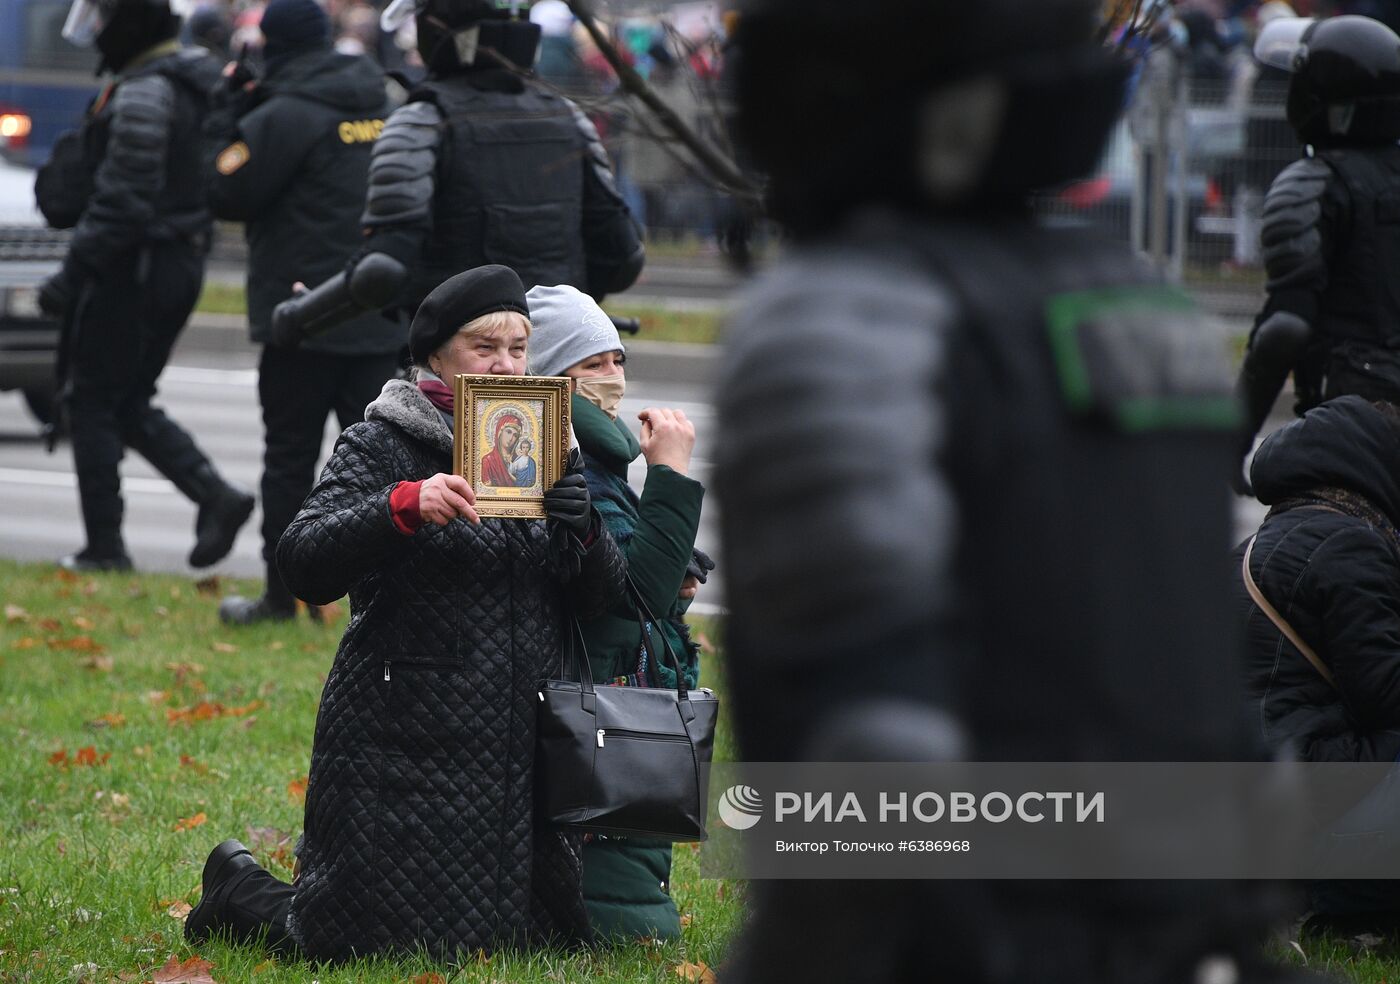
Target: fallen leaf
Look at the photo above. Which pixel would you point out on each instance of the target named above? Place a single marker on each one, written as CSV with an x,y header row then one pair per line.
x,y
208,711
429,979
310,647
157,696
50,624
178,909
195,970
686,920
296,790
59,757
265,966
120,800
110,720
98,664
189,823
24,642
79,644
65,575
697,973
223,647
88,756
186,762
14,613
175,593
90,588
266,838
208,586
86,624
277,646
184,669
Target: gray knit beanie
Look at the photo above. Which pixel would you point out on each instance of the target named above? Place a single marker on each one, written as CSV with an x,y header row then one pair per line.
x,y
569,327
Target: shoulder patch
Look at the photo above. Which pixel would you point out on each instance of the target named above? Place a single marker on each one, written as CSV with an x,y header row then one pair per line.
x,y
232,157
1142,359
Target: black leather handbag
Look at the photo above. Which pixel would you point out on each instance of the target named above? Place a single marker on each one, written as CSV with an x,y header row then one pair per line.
x,y
624,761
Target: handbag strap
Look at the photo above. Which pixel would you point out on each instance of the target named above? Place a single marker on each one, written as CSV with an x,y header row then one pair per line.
x,y
578,652
645,616
1280,623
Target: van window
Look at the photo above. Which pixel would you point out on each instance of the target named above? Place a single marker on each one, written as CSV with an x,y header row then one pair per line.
x,y
44,45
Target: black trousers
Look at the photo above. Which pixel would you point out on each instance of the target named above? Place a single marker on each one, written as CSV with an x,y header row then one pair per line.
x,y
254,908
124,326
298,390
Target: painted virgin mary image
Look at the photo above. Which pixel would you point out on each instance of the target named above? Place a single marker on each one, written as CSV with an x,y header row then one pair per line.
x,y
495,464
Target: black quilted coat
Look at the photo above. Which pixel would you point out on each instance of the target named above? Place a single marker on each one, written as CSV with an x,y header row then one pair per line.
x,y
419,822
1330,565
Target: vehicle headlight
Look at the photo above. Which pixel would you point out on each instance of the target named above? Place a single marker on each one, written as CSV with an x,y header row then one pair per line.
x,y
22,302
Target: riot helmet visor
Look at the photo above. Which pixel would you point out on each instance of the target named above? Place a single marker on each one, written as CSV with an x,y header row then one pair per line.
x,y
1282,41
399,13
86,20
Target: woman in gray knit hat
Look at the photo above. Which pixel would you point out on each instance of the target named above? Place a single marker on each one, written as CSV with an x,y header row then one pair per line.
x,y
626,880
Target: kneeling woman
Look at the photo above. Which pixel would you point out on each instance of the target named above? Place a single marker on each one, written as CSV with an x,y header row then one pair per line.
x,y
419,824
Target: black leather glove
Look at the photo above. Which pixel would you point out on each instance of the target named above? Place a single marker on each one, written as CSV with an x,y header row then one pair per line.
x,y
55,294
700,565
569,503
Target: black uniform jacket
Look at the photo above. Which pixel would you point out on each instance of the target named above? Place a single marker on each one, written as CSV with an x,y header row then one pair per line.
x,y
294,169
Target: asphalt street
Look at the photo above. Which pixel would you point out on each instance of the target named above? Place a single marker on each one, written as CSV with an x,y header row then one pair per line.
x,y
214,394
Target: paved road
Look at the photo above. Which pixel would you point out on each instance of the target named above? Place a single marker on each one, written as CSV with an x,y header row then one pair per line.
x,y
214,395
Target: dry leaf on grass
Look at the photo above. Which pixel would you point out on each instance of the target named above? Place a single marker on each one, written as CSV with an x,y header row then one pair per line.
x,y
207,711
77,644
14,613
429,979
208,586
110,720
296,790
24,642
88,756
266,838
179,909
697,973
84,623
223,647
99,664
195,970
49,625
686,920
189,823
187,762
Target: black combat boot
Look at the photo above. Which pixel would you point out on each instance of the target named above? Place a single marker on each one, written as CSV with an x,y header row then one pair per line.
x,y
275,605
223,509
242,902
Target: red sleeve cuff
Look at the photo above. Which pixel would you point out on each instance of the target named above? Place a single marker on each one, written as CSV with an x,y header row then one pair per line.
x,y
403,506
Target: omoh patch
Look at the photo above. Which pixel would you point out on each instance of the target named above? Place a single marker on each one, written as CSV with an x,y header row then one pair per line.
x,y
232,157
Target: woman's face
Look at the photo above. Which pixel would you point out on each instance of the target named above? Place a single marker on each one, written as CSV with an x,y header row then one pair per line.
x,y
500,353
605,364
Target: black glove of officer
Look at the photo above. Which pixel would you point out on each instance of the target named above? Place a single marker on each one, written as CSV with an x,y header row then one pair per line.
x,y
700,565
568,501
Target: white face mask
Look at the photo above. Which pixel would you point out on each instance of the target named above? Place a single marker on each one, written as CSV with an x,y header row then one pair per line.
x,y
604,392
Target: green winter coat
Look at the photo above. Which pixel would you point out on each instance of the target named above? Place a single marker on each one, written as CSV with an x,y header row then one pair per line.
x,y
626,881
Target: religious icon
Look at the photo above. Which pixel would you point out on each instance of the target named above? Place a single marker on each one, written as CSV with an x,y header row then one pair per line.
x,y
511,440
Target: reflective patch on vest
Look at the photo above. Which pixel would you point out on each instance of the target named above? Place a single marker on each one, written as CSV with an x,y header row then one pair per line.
x,y
1142,359
360,131
231,158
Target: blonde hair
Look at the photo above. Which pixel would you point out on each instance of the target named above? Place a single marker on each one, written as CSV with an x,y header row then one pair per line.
x,y
495,322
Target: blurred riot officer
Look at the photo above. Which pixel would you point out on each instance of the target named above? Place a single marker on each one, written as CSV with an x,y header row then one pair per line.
x,y
1032,571
290,159
1331,235
484,166
132,187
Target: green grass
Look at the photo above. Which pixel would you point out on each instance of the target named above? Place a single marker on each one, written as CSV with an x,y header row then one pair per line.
x,y
658,324
128,711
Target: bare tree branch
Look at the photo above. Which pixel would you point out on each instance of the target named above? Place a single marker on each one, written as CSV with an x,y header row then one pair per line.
x,y
721,168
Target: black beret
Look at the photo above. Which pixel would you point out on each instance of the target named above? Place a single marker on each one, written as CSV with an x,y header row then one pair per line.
x,y
462,299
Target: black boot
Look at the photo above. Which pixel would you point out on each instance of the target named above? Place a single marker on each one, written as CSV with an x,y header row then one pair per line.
x,y
89,561
275,605
223,509
242,902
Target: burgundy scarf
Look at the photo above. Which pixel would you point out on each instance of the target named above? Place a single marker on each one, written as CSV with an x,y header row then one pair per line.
x,y
438,393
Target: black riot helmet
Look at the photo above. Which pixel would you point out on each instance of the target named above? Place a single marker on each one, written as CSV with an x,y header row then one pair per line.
x,y
1346,78
462,35
940,104
119,29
